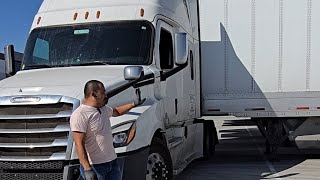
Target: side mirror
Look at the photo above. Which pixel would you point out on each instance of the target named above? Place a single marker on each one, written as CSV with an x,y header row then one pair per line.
x,y
9,57
133,72
181,47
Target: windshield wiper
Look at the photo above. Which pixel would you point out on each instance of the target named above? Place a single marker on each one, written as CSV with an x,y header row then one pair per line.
x,y
39,66
90,63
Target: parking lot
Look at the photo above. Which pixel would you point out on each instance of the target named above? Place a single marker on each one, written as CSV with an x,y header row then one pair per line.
x,y
240,155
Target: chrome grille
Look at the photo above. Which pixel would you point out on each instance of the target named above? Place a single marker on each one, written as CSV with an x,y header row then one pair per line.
x,y
31,165
29,176
34,138
35,109
32,123
31,138
35,132
25,152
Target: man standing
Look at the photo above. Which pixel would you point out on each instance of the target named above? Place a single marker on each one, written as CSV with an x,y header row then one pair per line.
x,y
92,134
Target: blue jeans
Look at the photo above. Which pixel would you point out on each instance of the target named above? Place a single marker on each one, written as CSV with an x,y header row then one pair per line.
x,y
105,171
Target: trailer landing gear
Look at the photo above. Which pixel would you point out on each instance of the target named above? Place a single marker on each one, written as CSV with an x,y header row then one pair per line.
x,y
276,132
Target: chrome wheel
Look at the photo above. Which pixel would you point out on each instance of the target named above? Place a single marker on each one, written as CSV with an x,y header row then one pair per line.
x,y
156,168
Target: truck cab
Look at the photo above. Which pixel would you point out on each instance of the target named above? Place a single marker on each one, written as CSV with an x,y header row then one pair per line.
x,y
138,49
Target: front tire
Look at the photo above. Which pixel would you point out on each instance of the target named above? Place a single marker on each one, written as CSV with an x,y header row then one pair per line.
x,y
159,164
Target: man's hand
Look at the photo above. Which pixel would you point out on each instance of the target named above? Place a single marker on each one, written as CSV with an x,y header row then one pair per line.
x,y
138,103
90,175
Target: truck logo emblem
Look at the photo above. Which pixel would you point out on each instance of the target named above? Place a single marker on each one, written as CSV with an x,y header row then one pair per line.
x,y
25,99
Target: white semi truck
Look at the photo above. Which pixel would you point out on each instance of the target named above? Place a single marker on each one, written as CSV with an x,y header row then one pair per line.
x,y
192,60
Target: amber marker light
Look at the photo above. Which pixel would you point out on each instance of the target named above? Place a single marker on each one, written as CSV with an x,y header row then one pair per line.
x,y
98,14
39,19
86,15
131,133
141,12
75,16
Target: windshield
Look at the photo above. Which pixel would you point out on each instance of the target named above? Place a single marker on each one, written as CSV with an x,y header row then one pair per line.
x,y
125,43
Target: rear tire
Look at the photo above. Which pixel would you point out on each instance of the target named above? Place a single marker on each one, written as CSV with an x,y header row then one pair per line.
x,y
159,164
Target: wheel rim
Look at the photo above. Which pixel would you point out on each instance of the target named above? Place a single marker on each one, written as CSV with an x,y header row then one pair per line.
x,y
156,168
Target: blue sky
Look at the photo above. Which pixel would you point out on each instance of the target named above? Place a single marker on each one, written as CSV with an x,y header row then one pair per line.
x,y
16,19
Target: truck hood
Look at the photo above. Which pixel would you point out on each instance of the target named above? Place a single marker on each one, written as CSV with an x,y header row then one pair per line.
x,y
66,81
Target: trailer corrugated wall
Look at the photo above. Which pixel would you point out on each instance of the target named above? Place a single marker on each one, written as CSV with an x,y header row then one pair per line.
x,y
260,58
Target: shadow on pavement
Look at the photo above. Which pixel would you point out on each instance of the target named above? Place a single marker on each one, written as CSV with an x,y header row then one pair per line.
x,y
240,155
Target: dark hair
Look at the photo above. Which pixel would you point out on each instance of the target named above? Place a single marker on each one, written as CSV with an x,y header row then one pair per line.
x,y
92,85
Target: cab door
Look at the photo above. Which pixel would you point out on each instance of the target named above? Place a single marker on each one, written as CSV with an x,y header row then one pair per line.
x,y
170,89
189,86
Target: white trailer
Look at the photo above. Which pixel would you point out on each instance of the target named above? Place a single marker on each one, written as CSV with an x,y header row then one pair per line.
x,y
260,59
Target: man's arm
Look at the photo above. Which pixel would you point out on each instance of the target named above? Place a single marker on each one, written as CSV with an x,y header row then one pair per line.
x,y
123,109
79,138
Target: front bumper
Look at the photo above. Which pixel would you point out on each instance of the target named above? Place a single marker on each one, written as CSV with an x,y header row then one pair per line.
x,y
132,164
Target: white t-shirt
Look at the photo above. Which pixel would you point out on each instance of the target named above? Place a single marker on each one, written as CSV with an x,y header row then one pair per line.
x,y
98,140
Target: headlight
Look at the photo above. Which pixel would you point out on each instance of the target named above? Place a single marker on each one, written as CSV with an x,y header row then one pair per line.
x,y
123,134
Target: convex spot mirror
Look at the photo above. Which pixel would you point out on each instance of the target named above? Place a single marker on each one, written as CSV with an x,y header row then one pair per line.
x,y
133,73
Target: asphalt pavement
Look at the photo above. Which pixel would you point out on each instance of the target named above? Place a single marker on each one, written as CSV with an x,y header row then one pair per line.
x,y
240,155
